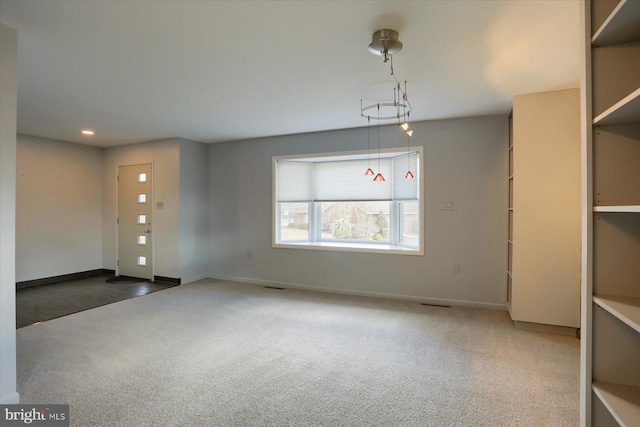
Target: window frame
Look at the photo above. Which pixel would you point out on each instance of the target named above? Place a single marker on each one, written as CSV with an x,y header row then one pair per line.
x,y
314,242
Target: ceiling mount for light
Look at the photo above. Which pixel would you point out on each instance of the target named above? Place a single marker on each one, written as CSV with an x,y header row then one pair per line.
x,y
385,43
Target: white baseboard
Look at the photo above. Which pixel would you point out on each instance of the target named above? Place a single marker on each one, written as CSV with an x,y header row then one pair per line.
x,y
426,300
10,399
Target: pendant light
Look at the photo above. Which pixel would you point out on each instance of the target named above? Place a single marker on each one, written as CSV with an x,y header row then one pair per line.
x,y
369,171
409,174
379,177
409,132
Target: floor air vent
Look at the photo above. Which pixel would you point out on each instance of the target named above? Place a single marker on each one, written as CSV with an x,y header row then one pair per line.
x,y
435,305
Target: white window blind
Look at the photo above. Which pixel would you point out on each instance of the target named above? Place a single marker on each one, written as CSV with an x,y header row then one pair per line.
x,y
403,188
344,180
340,181
295,182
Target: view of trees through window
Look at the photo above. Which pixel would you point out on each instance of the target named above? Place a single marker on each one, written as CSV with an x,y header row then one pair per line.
x,y
355,220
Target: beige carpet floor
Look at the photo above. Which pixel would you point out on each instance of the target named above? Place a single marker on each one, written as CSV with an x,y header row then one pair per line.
x,y
216,353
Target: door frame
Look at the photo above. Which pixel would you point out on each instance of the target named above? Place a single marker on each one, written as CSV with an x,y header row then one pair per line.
x,y
153,228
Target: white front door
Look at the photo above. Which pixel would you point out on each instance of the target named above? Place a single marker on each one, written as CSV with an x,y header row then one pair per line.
x,y
135,249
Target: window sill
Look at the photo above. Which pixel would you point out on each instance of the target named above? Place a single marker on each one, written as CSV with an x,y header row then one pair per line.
x,y
376,248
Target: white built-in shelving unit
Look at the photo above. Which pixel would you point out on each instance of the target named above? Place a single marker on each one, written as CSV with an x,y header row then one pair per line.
x,y
510,212
610,324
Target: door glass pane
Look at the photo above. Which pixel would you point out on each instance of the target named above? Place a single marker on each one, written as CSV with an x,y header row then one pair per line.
x,y
142,260
142,240
142,219
142,177
142,198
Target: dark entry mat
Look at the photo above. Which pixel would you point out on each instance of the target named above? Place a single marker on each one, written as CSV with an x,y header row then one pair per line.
x,y
40,303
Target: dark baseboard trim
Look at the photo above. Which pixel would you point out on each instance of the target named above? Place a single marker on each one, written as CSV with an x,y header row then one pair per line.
x,y
64,277
163,279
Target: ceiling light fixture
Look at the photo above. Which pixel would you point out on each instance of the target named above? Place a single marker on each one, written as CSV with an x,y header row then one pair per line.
x,y
385,43
88,132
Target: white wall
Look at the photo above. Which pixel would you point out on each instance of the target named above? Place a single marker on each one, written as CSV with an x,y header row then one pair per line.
x,y
466,162
58,207
165,156
8,111
65,191
194,205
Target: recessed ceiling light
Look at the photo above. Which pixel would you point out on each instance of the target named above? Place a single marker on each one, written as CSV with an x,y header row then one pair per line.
x,y
87,132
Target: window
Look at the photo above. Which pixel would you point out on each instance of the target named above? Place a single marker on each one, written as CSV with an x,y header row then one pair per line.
x,y
326,202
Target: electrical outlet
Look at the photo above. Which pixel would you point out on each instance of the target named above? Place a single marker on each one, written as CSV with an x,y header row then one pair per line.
x,y
447,206
456,268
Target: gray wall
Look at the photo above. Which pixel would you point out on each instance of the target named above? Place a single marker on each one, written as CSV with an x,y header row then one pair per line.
x,y
8,121
466,162
194,215
217,214
165,157
59,208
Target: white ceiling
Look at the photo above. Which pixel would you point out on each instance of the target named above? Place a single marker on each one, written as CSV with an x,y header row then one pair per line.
x,y
225,70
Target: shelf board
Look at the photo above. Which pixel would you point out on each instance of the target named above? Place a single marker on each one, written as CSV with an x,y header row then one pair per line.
x,y
623,208
621,26
623,112
623,402
627,309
